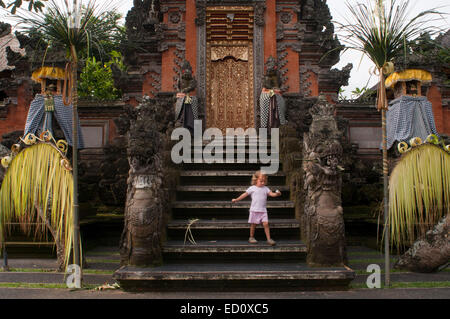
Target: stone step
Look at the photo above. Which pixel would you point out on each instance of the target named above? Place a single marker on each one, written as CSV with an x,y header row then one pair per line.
x,y
214,229
234,277
272,203
224,188
232,158
224,192
217,165
233,250
230,173
221,213
226,177
238,140
232,143
223,160
236,149
53,278
229,224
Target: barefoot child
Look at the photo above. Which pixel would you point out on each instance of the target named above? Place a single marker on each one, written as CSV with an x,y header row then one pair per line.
x,y
258,211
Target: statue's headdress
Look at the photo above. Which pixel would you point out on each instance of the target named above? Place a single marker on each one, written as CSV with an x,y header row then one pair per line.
x,y
186,66
271,63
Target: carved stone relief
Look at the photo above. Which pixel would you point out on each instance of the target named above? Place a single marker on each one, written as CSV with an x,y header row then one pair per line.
x,y
179,58
305,74
258,49
237,52
260,9
200,6
149,181
323,214
285,17
282,61
181,31
174,17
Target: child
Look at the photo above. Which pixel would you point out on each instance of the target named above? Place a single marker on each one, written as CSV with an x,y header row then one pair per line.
x,y
258,211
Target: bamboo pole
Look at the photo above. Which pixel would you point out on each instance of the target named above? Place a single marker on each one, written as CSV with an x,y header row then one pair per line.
x,y
383,106
76,219
386,201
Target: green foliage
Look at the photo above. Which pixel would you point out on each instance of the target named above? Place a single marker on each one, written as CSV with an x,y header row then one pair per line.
x,y
93,27
425,50
428,48
35,5
341,95
362,93
109,23
357,91
96,80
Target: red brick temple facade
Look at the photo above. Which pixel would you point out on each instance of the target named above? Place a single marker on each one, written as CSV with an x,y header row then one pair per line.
x,y
225,42
230,41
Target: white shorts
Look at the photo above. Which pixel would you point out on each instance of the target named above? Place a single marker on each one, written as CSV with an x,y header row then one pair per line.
x,y
257,217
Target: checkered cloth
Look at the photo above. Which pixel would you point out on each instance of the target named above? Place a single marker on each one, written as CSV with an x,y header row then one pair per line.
x,y
409,117
63,114
264,105
181,101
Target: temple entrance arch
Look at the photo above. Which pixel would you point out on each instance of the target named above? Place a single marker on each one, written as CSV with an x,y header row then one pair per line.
x,y
229,67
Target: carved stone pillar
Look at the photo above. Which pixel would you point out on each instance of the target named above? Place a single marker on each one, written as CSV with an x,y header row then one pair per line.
x,y
150,181
323,214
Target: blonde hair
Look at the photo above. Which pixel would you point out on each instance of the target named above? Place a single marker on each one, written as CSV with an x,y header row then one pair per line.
x,y
257,175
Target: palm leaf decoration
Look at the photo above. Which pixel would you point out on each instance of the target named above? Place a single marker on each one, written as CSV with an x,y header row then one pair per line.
x,y
419,192
38,188
76,26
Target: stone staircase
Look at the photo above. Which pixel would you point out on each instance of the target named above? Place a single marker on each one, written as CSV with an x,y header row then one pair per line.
x,y
207,238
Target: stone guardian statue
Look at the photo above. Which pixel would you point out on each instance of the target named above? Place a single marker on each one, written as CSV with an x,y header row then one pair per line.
x,y
186,107
323,214
271,102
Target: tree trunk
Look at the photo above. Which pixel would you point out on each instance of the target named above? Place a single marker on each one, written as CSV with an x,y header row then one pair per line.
x,y
431,253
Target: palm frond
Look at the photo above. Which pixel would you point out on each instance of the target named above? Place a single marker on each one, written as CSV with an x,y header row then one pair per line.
x,y
419,193
37,188
380,29
80,27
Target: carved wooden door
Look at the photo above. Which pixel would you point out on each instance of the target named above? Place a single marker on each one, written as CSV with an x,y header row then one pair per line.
x,y
229,68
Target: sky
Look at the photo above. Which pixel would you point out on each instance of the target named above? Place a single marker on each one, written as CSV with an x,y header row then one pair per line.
x,y
360,75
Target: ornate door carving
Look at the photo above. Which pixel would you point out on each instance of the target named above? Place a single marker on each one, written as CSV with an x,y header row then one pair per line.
x,y
229,68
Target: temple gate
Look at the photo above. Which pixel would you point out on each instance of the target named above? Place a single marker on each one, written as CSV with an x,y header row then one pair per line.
x,y
236,52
